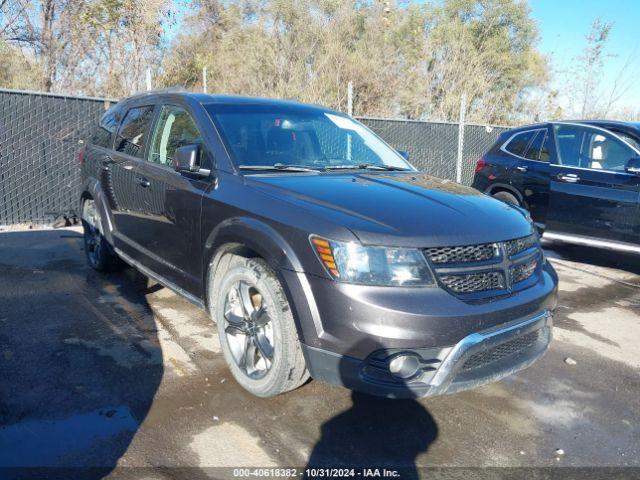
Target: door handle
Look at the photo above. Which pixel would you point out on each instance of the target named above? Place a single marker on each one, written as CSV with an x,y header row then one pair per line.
x,y
568,177
143,182
521,168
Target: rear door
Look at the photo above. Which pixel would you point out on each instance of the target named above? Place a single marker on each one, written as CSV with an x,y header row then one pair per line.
x,y
530,174
170,232
591,193
119,167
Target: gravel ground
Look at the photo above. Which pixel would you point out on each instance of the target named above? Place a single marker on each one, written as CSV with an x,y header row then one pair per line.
x,y
121,375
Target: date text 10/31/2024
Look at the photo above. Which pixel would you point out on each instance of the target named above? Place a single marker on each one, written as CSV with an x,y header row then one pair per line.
x,y
316,472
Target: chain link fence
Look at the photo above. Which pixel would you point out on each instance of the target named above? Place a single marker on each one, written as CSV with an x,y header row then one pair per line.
x,y
433,146
40,136
39,141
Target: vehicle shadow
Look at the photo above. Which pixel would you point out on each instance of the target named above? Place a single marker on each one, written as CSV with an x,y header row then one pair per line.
x,y
80,360
628,262
375,432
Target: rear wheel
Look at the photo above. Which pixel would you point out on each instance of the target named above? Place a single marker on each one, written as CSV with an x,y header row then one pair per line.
x,y
256,328
507,197
96,248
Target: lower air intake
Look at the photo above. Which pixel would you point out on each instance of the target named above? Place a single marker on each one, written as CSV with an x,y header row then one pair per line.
x,y
503,350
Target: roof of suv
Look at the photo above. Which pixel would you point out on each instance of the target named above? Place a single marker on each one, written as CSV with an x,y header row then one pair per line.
x,y
632,128
209,99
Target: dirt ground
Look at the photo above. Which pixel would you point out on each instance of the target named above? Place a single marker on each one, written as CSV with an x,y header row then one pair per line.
x,y
118,373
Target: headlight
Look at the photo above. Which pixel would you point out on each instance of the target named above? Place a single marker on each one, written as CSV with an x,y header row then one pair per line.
x,y
355,263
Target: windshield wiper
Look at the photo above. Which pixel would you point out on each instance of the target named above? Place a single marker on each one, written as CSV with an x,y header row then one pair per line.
x,y
366,166
278,167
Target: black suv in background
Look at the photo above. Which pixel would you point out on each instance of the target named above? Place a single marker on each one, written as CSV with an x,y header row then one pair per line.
x,y
315,247
580,180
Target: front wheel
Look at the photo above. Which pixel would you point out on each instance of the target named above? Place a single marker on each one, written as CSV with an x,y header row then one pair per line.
x,y
256,328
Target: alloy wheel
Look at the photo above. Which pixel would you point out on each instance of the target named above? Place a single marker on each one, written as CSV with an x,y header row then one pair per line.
x,y
249,329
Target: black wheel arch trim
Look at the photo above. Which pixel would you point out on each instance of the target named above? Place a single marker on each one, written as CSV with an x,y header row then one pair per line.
x,y
92,188
276,251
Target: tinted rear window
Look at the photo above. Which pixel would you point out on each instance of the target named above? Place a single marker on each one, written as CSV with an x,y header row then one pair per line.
x,y
538,149
132,132
103,134
518,144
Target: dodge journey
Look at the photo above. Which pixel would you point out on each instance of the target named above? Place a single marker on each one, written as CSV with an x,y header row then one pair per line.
x,y
317,249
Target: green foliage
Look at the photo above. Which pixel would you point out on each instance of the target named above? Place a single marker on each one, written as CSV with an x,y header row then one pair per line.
x,y
409,60
404,59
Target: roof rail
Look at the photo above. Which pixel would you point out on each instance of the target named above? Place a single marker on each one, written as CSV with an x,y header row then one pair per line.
x,y
176,89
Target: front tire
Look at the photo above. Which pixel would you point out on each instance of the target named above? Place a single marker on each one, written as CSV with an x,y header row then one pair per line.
x,y
257,333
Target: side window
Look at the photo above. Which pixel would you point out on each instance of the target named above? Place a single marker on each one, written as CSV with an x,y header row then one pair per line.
x,y
518,144
175,128
103,135
131,135
591,148
538,147
605,152
569,142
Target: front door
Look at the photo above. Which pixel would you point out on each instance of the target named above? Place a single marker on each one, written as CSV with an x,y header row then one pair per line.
x,y
591,193
172,202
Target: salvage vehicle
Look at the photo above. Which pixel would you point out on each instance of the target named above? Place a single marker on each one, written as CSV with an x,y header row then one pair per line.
x,y
316,248
579,180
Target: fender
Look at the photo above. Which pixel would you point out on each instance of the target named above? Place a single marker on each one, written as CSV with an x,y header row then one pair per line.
x,y
256,235
275,250
94,189
507,187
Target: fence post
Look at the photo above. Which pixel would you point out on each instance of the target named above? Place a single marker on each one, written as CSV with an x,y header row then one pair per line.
x,y
148,78
204,79
350,99
463,103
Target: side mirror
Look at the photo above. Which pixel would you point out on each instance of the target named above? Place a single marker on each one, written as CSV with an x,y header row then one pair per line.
x,y
633,166
186,159
404,154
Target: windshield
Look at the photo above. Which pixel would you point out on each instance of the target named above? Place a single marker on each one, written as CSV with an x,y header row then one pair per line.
x,y
281,136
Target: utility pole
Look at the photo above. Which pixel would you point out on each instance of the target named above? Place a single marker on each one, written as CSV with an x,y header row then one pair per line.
x,y
148,78
204,79
463,108
350,99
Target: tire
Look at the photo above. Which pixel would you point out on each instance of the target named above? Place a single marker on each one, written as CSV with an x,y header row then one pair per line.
x,y
507,197
99,255
257,333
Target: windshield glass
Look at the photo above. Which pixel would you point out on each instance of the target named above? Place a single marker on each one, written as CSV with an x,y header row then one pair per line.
x,y
265,135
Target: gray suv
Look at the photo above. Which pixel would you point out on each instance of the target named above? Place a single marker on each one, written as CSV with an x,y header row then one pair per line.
x,y
316,248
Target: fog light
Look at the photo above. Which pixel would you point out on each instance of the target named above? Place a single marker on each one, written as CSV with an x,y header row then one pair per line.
x,y
404,366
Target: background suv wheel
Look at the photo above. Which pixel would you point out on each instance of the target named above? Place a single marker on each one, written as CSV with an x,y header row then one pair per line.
x,y
507,197
256,328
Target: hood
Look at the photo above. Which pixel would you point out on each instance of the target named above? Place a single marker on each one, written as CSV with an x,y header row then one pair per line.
x,y
399,208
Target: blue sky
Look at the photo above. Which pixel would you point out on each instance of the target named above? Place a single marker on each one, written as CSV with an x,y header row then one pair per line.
x,y
564,24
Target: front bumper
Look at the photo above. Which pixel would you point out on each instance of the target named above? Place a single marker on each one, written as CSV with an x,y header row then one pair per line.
x,y
477,359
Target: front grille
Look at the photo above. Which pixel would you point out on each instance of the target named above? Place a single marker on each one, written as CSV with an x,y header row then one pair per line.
x,y
503,350
523,271
473,282
464,254
513,247
485,267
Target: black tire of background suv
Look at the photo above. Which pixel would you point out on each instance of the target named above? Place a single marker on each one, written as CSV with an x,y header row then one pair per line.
x,y
507,197
288,370
107,260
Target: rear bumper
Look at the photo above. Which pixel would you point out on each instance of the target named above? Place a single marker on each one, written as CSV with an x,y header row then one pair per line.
x,y
479,358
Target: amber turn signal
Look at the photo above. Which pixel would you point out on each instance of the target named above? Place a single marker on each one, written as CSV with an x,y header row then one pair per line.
x,y
323,249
